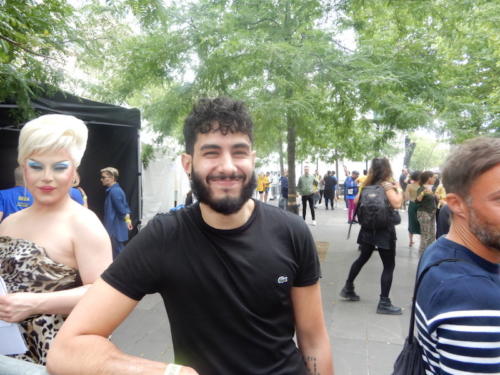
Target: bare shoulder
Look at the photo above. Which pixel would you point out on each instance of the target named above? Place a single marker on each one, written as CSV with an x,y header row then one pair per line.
x,y
85,221
10,224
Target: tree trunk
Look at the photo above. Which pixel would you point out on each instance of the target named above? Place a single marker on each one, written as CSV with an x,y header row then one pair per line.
x,y
292,187
281,156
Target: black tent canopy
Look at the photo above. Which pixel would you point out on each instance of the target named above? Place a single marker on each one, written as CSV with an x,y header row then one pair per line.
x,y
113,141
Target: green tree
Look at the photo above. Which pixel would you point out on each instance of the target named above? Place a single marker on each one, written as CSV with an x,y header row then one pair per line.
x,y
304,90
273,55
441,60
429,153
34,39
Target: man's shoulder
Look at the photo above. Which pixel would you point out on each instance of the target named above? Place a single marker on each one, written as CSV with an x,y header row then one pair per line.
x,y
279,215
464,284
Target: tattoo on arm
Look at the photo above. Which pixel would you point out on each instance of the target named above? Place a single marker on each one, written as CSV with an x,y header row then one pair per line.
x,y
311,365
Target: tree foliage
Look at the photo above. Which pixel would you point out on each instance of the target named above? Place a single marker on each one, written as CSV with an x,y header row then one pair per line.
x,y
34,41
447,54
429,153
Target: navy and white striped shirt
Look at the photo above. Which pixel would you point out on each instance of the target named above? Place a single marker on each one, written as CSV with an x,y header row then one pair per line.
x,y
458,312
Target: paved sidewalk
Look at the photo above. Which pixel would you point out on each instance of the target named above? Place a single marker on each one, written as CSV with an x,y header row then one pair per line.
x,y
364,343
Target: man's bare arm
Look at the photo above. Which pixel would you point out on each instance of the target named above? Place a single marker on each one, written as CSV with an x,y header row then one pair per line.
x,y
312,335
82,346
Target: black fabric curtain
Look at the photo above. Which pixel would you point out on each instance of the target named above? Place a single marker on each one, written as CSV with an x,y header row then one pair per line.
x,y
113,142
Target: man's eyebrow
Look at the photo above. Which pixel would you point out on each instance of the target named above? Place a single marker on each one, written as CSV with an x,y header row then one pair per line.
x,y
241,145
210,147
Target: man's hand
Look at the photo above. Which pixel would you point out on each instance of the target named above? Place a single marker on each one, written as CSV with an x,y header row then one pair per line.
x,y
18,306
129,225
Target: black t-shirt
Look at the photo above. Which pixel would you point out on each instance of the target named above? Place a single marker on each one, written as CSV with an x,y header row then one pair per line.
x,y
330,182
227,292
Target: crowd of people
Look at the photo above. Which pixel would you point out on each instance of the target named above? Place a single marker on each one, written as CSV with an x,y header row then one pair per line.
x,y
227,313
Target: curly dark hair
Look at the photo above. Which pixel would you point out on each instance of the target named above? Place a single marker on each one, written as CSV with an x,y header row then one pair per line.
x,y
220,114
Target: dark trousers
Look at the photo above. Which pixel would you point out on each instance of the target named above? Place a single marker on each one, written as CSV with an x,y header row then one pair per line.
x,y
328,198
387,256
310,199
117,247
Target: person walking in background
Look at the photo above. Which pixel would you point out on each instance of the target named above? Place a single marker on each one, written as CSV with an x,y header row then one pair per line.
x,y
411,196
383,239
350,192
458,304
305,188
330,186
426,210
116,210
284,190
16,198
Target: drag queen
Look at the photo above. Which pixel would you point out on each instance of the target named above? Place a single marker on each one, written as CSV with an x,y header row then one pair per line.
x,y
51,252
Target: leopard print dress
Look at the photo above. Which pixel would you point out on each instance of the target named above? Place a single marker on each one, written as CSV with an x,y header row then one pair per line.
x,y
25,267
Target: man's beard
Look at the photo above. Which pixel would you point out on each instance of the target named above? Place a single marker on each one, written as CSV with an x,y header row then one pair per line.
x,y
227,205
486,233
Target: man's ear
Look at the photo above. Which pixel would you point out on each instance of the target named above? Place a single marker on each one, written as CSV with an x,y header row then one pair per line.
x,y
254,156
457,205
187,163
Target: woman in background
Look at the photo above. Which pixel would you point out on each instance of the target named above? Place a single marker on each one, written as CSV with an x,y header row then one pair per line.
x,y
50,252
426,210
411,195
384,240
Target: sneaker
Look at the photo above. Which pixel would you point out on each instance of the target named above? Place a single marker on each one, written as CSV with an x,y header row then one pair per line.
x,y
314,222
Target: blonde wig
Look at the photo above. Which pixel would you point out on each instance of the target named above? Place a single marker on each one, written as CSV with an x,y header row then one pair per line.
x,y
53,133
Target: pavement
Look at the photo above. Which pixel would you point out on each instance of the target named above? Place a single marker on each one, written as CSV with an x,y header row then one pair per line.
x,y
363,342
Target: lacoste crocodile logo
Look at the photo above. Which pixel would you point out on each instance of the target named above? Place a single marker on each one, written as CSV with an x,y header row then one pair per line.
x,y
282,279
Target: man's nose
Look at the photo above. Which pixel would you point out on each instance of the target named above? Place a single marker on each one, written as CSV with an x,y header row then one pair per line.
x,y
226,164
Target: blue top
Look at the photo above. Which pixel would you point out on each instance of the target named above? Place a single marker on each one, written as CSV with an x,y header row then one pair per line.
x,y
458,312
350,188
76,195
284,182
14,199
115,209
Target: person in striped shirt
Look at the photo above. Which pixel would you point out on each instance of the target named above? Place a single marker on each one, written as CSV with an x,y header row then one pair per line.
x,y
458,303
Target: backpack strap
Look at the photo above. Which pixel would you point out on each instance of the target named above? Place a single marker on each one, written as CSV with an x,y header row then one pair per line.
x,y
415,290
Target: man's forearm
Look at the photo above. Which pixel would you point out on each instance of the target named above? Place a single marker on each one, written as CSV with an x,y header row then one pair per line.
x,y
318,358
319,363
96,355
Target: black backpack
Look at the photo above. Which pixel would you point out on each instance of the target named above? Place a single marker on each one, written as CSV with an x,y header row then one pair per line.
x,y
374,210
